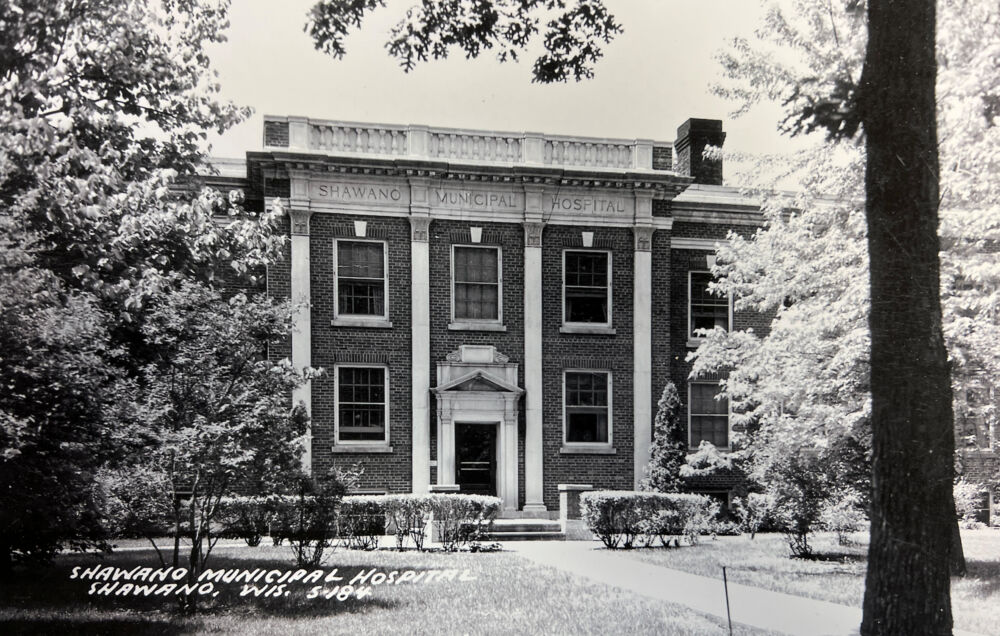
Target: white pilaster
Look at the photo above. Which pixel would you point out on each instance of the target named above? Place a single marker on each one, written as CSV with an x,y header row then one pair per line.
x,y
533,450
421,351
642,360
302,320
508,456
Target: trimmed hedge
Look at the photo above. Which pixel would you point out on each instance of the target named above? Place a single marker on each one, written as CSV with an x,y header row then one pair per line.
x,y
620,518
311,523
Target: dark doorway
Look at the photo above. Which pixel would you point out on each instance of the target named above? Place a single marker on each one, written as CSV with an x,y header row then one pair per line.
x,y
476,458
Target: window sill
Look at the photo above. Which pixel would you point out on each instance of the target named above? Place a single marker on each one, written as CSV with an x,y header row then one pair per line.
x,y
588,329
694,343
361,448
476,326
372,323
576,449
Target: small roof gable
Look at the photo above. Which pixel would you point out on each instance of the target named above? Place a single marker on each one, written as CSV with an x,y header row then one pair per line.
x,y
479,381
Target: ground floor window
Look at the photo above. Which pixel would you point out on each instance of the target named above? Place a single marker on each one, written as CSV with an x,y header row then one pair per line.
x,y
587,407
362,407
709,416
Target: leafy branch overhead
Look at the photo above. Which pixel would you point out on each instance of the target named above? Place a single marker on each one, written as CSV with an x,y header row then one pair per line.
x,y
572,35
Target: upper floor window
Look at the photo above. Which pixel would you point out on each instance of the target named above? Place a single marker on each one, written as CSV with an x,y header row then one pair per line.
x,y
361,281
587,287
709,417
476,283
587,407
705,310
362,407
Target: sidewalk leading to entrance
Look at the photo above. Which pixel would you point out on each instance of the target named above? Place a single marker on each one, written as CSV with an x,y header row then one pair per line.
x,y
749,605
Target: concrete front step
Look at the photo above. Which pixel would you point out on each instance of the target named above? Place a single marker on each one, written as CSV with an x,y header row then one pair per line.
x,y
526,530
525,525
526,536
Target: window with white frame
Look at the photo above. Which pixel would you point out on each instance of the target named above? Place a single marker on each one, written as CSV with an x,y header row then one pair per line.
x,y
705,310
587,287
362,404
709,417
476,283
587,407
361,281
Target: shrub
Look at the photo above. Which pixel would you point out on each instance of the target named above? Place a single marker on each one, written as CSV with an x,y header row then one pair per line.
x,y
755,512
408,514
669,444
843,514
308,519
247,518
362,521
620,518
461,519
135,503
968,499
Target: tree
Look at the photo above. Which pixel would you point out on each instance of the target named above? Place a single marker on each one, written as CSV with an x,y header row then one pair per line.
x,y
893,103
913,436
663,473
209,415
431,30
52,346
103,105
828,98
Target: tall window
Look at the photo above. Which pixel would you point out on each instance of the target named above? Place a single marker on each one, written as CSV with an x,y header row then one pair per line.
x,y
361,279
361,404
476,283
587,287
587,407
709,416
706,311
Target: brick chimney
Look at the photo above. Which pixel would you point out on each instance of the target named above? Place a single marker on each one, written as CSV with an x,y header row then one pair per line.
x,y
692,137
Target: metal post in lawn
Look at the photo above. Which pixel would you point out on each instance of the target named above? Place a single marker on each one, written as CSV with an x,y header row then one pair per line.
x,y
725,586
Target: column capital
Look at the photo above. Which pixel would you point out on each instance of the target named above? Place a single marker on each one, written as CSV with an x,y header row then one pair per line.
x,y
300,221
420,229
533,234
643,237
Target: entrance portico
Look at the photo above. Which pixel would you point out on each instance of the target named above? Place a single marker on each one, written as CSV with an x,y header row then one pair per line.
x,y
477,386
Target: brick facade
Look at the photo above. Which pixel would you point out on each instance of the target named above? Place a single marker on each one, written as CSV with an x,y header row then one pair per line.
x,y
601,210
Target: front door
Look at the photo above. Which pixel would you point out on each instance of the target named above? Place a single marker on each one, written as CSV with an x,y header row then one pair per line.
x,y
476,458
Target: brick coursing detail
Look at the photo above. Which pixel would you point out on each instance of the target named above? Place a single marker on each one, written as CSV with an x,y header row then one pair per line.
x,y
562,351
662,157
510,238
276,133
330,345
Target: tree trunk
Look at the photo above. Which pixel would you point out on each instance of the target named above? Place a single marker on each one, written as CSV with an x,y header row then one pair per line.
x,y
907,589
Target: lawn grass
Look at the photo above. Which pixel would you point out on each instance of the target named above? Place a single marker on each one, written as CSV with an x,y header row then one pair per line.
x,y
508,595
838,575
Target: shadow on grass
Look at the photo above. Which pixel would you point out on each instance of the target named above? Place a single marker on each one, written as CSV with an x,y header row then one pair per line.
x,y
45,600
986,575
93,625
832,557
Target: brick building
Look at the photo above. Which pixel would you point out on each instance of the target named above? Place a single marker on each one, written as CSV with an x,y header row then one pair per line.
x,y
497,312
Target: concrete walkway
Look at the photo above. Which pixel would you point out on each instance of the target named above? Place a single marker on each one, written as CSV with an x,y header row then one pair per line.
x,y
764,609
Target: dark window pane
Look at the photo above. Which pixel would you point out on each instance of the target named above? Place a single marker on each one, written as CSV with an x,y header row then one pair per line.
x,y
476,264
713,429
707,310
587,425
360,259
477,288
587,269
361,278
586,291
709,416
361,403
586,305
361,297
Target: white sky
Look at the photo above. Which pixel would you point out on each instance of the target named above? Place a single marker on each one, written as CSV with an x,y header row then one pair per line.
x,y
652,77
